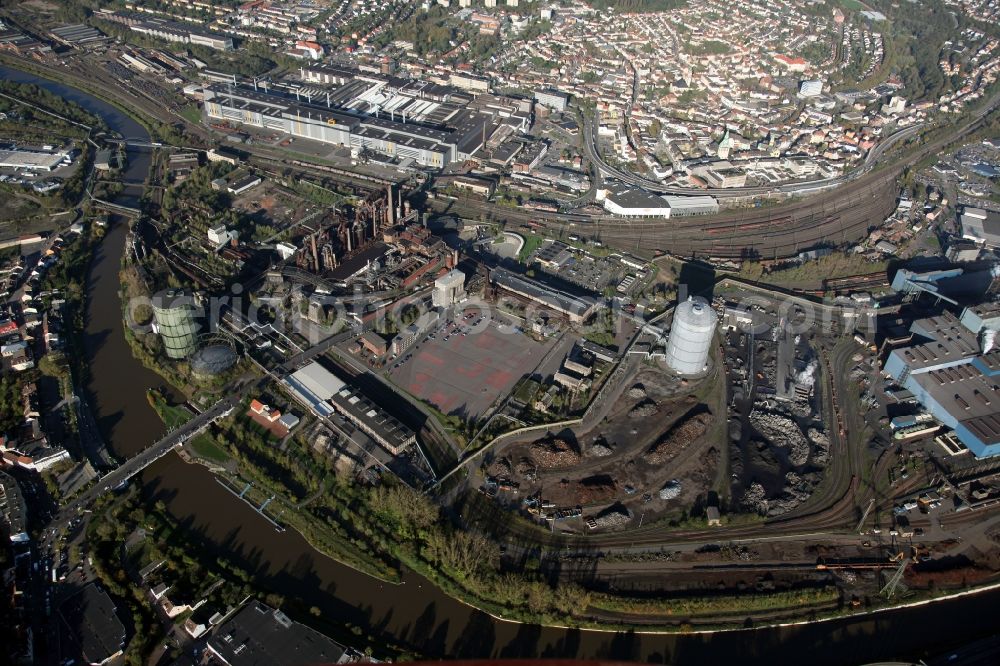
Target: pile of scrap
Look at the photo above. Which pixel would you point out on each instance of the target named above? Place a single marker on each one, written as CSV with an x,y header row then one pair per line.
x,y
671,490
678,438
554,452
500,468
615,516
595,489
644,409
638,392
821,446
600,450
527,468
783,433
755,499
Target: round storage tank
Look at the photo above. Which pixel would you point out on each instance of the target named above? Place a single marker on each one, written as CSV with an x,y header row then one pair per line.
x,y
212,360
176,317
690,336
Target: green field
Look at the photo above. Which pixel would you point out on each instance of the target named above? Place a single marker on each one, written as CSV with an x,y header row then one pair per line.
x,y
192,113
173,416
531,243
204,446
852,5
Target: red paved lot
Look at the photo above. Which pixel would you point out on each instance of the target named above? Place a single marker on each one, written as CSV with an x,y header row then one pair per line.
x,y
466,374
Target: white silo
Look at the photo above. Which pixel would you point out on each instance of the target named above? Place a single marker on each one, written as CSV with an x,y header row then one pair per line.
x,y
690,336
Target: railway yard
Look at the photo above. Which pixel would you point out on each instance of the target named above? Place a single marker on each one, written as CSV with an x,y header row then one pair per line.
x,y
810,493
767,472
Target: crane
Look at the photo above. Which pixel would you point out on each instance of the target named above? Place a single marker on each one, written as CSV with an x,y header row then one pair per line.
x,y
864,515
890,588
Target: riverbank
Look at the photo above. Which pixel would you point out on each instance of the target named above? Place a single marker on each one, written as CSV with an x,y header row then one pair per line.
x,y
78,83
416,615
256,487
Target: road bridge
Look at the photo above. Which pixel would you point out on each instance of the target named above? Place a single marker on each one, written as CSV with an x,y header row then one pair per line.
x,y
115,208
145,458
131,142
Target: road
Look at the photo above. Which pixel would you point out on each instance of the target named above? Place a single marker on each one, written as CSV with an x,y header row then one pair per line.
x,y
139,462
839,215
592,150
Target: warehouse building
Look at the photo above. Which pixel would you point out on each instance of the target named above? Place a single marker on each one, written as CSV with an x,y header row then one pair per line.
x,y
79,35
31,160
171,31
952,367
259,634
372,420
631,201
323,392
472,82
696,205
576,309
553,99
430,144
981,226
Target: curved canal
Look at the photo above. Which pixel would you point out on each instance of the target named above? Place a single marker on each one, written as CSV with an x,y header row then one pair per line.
x,y
417,614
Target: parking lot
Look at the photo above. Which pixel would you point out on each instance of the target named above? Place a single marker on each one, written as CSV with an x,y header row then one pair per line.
x,y
467,365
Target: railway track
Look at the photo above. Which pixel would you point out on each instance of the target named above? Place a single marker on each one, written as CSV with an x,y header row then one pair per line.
x,y
837,218
832,508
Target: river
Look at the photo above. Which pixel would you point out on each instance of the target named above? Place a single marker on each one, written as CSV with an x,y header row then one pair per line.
x,y
416,613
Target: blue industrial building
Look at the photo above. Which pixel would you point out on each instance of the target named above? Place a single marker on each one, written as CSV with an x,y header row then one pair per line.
x,y
952,366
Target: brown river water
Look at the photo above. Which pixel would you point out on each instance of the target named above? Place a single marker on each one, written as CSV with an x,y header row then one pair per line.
x,y
416,613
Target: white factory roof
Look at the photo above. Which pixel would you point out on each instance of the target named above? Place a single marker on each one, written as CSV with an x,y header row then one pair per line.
x,y
318,381
452,278
30,159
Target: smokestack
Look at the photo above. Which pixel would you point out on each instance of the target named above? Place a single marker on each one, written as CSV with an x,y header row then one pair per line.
x,y
390,210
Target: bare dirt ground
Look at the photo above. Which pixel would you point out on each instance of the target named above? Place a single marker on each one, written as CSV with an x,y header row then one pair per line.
x,y
658,435
270,204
